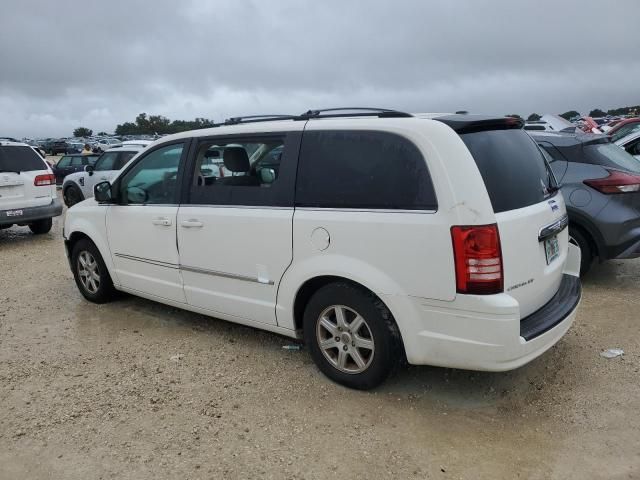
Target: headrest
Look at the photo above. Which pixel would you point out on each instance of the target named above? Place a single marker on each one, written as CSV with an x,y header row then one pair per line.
x,y
236,159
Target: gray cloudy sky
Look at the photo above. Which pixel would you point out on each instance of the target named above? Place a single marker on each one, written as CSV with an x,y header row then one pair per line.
x,y
68,63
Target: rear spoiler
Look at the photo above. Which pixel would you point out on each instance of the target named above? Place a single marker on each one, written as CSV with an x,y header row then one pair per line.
x,y
479,123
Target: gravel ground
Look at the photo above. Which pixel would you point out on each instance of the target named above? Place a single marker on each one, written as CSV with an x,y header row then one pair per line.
x,y
137,390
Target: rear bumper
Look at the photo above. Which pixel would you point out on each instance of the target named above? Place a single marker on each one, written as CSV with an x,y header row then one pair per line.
x,y
31,214
477,332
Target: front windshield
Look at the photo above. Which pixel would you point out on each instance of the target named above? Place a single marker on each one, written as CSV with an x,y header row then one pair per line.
x,y
611,155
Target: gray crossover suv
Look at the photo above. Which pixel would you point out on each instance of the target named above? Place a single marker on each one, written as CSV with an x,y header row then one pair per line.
x,y
601,186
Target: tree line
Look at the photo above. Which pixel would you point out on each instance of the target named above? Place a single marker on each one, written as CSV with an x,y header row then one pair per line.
x,y
596,112
157,124
150,125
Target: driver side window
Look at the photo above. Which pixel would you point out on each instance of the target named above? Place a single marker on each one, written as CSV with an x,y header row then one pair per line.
x,y
106,162
153,179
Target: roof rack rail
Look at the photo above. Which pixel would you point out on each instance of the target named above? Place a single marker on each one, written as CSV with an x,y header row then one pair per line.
x,y
257,118
356,112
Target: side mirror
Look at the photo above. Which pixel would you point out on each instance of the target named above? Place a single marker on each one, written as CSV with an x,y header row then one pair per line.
x,y
267,175
89,169
102,192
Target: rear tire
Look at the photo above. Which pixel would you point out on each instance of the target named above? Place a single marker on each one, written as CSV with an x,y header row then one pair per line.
x,y
72,195
578,238
352,336
90,272
41,227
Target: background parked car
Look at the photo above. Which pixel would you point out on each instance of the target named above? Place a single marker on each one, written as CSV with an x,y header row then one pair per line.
x,y
56,147
74,147
601,186
104,144
631,143
72,163
78,186
27,190
623,128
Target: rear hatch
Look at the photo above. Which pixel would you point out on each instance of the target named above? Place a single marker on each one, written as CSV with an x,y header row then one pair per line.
x,y
20,167
530,212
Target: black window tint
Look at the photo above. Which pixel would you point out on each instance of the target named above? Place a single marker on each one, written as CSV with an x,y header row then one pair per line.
x,y
20,159
513,169
76,162
124,158
64,162
257,170
362,169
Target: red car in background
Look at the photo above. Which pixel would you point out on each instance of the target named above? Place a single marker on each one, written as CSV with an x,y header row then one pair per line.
x,y
624,128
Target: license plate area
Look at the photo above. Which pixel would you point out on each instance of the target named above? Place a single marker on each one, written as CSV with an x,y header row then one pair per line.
x,y
14,213
551,249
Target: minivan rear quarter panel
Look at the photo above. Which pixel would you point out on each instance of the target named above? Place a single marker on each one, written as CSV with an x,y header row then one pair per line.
x,y
392,252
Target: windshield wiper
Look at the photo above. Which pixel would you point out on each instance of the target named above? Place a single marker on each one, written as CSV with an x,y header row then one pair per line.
x,y
10,171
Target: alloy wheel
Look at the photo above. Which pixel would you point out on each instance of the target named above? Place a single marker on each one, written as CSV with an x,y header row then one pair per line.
x,y
88,272
345,339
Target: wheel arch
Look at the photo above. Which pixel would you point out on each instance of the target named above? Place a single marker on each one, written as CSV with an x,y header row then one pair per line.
x,y
313,284
85,231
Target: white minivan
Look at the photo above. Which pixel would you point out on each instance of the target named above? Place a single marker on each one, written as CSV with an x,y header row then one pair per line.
x,y
27,189
375,236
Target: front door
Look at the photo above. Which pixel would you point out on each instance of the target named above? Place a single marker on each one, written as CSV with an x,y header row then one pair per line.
x,y
142,226
235,229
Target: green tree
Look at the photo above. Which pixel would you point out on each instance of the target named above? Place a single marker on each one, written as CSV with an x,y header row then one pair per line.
x,y
82,132
152,124
570,114
534,117
596,112
103,134
127,128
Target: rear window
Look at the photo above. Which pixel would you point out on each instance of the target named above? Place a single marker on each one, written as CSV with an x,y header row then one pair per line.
x,y
362,169
611,155
20,159
512,167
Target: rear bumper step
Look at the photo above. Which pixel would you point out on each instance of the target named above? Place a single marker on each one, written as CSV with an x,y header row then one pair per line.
x,y
555,311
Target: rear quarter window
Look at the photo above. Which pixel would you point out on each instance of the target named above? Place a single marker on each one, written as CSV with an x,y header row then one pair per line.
x,y
20,159
611,155
512,167
362,169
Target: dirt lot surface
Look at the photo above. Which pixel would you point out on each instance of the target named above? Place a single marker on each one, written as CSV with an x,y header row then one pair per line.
x,y
137,390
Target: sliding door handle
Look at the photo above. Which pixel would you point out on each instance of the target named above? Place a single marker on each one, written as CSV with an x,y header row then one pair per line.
x,y
163,221
192,223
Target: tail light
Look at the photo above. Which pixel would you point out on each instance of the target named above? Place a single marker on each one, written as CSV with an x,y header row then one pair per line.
x,y
616,182
478,259
43,180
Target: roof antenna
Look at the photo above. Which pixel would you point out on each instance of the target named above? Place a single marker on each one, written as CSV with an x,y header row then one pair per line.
x,y
462,112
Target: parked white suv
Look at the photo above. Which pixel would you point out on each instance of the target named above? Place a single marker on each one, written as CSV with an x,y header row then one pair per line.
x,y
78,186
27,189
374,237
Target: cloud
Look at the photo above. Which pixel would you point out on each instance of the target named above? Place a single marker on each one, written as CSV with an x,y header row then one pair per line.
x,y
64,66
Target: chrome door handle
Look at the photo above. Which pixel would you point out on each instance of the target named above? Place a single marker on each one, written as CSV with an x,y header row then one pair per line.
x,y
163,221
191,224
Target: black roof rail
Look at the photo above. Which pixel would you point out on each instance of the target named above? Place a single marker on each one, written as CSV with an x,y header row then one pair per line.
x,y
356,112
257,118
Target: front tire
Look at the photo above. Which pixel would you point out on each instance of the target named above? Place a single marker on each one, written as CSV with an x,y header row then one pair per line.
x,y
40,227
72,195
352,336
90,272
